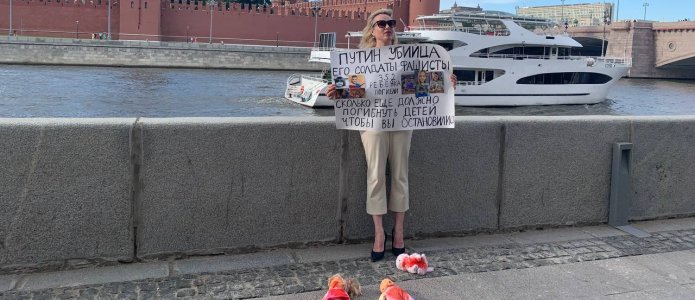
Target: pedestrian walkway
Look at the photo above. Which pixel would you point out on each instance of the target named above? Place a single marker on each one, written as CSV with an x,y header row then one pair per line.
x,y
596,262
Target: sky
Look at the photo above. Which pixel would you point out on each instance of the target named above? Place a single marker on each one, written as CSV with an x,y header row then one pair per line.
x,y
658,10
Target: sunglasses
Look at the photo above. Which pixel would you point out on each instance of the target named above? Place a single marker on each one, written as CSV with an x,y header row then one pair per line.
x,y
382,23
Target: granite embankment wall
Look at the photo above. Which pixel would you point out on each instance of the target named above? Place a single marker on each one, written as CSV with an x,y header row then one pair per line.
x,y
138,188
48,51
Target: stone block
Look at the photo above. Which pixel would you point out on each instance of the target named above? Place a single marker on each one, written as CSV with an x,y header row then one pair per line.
x,y
557,169
7,282
662,167
331,253
358,224
227,263
217,183
452,177
64,189
553,235
447,243
93,276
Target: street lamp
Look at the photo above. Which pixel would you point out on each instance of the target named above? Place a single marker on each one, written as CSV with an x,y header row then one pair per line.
x,y
77,29
108,26
10,32
605,21
316,8
646,4
108,29
212,3
617,12
562,14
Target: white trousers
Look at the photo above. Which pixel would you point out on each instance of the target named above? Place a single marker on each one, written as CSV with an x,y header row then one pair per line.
x,y
379,147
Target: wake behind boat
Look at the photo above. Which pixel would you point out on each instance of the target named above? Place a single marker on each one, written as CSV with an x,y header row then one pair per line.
x,y
499,60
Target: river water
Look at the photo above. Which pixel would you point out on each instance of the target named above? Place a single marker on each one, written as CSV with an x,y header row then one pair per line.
x,y
58,91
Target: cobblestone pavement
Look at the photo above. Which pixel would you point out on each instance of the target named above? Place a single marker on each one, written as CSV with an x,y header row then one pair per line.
x,y
305,277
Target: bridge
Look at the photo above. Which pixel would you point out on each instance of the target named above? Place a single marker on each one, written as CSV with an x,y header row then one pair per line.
x,y
657,49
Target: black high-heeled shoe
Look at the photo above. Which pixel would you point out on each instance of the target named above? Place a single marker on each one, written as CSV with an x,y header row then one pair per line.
x,y
377,256
396,251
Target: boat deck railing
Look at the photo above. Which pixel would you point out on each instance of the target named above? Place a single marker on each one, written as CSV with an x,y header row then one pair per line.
x,y
468,83
618,61
489,32
314,77
485,16
323,48
621,61
472,30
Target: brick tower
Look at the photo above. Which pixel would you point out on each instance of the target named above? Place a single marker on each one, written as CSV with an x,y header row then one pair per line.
x,y
422,8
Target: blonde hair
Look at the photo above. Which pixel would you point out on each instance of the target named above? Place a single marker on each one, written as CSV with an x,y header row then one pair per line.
x,y
368,39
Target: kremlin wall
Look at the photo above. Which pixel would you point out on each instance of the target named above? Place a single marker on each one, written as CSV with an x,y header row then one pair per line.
x,y
284,23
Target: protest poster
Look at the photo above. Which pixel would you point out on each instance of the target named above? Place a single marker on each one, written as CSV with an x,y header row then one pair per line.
x,y
400,87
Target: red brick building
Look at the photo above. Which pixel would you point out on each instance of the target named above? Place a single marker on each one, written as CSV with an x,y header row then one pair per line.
x,y
284,22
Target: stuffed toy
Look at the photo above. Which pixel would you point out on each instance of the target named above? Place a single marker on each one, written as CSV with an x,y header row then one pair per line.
x,y
341,289
391,291
414,263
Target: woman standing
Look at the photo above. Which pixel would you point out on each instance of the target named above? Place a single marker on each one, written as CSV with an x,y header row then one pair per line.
x,y
380,146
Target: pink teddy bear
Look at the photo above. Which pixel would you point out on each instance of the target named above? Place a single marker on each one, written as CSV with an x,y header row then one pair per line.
x,y
413,263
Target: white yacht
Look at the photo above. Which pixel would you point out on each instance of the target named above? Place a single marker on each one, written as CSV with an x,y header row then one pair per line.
x,y
504,60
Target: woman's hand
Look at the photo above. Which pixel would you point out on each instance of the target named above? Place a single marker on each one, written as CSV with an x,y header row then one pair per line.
x,y
331,92
454,80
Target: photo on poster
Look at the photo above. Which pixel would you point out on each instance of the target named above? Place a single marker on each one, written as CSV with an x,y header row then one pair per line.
x,y
436,82
357,81
357,86
408,84
340,83
422,85
341,87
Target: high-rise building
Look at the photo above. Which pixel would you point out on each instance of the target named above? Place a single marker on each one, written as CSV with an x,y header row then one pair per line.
x,y
585,14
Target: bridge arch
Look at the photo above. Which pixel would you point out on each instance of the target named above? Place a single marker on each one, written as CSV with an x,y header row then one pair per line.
x,y
681,61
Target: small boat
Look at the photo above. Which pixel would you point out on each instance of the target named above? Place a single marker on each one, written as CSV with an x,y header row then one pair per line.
x,y
310,89
307,90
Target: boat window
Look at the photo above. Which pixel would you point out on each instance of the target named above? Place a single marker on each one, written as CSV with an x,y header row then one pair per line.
x,y
536,26
447,46
465,75
475,25
477,76
483,23
522,50
566,78
564,52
